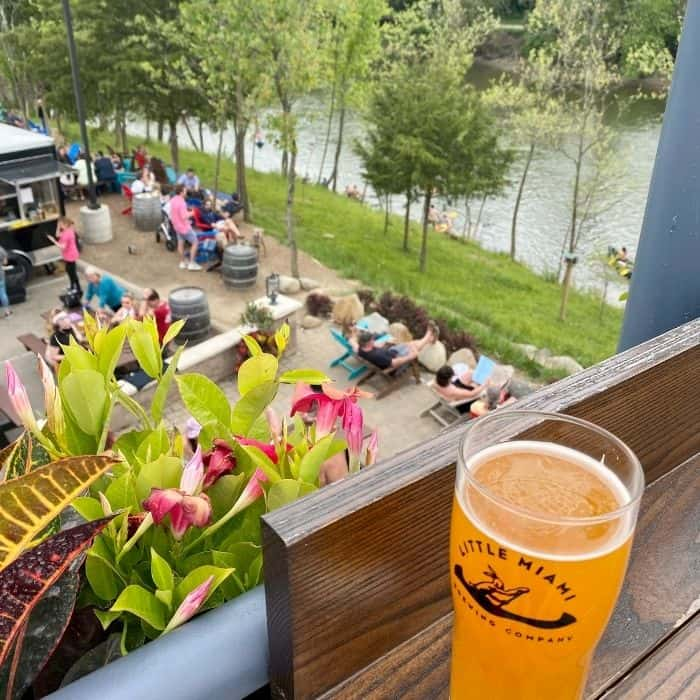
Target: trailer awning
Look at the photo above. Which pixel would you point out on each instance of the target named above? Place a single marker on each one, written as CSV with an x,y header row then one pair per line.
x,y
21,172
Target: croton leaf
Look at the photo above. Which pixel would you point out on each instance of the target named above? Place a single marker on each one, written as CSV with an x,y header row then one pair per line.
x,y
25,580
29,503
23,455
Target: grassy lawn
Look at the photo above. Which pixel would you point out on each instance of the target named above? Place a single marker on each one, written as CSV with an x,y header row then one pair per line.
x,y
500,302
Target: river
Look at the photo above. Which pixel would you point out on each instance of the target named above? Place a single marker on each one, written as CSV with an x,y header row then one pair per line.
x,y
544,211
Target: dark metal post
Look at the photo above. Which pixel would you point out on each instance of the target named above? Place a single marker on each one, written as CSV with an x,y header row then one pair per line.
x,y
75,73
665,286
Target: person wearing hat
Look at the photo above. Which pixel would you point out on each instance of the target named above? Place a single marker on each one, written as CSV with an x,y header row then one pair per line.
x,y
109,293
63,331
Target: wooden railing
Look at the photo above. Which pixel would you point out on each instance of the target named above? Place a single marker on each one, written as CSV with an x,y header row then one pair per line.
x,y
357,574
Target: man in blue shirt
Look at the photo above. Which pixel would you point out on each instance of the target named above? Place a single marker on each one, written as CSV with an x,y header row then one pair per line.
x,y
104,169
191,183
109,293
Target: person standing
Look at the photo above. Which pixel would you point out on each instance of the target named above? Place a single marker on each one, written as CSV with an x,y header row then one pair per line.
x,y
4,301
67,241
180,219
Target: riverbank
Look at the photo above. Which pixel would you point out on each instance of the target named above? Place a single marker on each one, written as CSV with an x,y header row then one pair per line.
x,y
500,302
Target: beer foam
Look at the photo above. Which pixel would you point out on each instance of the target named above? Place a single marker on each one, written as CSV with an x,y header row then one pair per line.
x,y
559,498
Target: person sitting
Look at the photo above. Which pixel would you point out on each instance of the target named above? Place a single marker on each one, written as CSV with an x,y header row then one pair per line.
x,y
157,167
62,156
142,184
104,170
191,183
140,157
353,192
109,293
116,159
385,355
233,205
126,311
63,331
153,305
458,388
81,166
227,231
207,213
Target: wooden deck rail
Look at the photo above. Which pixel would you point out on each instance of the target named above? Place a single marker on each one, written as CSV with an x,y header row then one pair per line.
x,y
357,574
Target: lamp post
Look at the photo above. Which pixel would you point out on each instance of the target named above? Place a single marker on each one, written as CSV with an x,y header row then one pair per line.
x,y
272,287
75,74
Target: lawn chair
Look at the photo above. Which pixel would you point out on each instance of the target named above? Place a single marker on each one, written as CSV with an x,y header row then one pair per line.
x,y
129,196
443,411
73,152
199,223
354,370
393,377
172,175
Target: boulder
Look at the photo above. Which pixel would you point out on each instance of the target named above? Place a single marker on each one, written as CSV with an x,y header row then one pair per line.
x,y
433,356
562,362
307,284
501,374
541,355
400,333
289,285
348,310
310,321
519,388
527,350
463,356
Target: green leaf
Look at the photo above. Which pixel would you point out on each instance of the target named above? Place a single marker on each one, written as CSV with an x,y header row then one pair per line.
x,y
282,492
253,346
204,399
111,350
250,406
155,444
282,338
106,617
314,458
142,603
161,393
199,576
224,492
254,574
79,358
161,573
173,331
260,459
101,578
128,443
88,508
256,371
165,597
146,352
308,376
163,473
121,493
84,395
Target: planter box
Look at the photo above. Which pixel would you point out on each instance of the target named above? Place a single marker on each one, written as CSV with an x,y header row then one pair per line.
x,y
219,655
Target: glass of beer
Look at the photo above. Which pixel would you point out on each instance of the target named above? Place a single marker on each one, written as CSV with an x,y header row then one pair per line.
x,y
542,522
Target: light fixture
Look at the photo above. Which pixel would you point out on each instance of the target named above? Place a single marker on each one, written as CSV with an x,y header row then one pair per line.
x,y
272,287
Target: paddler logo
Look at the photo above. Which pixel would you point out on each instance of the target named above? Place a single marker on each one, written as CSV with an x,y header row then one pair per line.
x,y
492,596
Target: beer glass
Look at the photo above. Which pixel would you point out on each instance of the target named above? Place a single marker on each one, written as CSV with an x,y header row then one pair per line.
x,y
542,522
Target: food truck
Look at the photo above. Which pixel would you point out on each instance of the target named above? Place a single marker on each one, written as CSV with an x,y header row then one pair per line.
x,y
30,197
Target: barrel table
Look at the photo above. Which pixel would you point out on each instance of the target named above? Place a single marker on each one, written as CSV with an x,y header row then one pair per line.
x,y
190,303
240,266
146,211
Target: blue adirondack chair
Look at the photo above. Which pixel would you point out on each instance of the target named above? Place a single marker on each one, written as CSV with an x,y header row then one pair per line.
x,y
354,371
172,175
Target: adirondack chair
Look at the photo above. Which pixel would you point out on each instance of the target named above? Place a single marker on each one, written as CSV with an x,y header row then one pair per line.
x,y
354,370
443,411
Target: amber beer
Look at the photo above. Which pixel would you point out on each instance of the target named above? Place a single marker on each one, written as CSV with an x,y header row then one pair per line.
x,y
540,540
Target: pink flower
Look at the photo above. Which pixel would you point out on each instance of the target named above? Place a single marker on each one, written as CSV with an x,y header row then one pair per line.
x,y
371,449
190,605
265,447
184,510
218,462
193,474
251,492
273,420
20,399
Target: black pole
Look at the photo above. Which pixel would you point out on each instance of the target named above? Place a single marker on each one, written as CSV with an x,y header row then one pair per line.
x,y
665,286
75,74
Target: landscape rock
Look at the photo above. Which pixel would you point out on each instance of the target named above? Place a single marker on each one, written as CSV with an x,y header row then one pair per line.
x,y
307,284
310,321
289,285
400,333
462,356
562,362
541,356
433,356
348,310
528,350
501,374
518,388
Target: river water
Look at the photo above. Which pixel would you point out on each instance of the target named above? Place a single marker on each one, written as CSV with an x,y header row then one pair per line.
x,y
544,212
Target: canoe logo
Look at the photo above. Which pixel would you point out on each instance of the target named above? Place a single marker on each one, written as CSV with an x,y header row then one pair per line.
x,y
492,596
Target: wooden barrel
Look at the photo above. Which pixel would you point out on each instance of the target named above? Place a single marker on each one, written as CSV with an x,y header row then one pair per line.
x,y
190,303
147,212
240,266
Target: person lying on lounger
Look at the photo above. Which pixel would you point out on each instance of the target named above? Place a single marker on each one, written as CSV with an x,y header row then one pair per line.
x,y
386,355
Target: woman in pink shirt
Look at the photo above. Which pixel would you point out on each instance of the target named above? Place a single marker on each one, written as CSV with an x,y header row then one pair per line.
x,y
68,243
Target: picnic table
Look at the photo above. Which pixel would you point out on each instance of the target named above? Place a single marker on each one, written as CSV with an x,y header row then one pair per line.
x,y
371,616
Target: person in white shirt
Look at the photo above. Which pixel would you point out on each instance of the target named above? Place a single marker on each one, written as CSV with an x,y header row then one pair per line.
x,y
142,184
82,167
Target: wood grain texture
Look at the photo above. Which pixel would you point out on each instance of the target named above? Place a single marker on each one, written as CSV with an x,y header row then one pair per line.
x,y
355,570
672,672
661,589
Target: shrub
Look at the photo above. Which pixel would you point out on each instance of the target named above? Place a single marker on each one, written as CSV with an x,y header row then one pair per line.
x,y
319,305
258,316
366,296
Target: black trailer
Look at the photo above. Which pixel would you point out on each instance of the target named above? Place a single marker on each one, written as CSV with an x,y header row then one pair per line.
x,y
30,197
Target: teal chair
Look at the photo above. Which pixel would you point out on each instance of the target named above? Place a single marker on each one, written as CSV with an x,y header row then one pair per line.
x,y
344,360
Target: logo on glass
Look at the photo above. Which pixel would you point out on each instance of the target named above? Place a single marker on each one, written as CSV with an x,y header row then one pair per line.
x,y
492,596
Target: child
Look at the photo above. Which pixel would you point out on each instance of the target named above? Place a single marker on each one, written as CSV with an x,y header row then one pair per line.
x,y
68,243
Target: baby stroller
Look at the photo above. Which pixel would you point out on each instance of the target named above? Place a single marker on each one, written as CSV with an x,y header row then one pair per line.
x,y
166,231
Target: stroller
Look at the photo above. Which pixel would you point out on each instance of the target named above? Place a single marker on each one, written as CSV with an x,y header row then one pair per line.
x,y
207,243
166,231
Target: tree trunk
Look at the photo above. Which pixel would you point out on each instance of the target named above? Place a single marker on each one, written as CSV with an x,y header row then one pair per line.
x,y
217,168
189,133
291,239
241,129
174,146
59,126
148,130
339,145
159,131
566,286
478,216
124,136
568,273
518,198
285,163
201,136
328,133
424,239
407,222
387,208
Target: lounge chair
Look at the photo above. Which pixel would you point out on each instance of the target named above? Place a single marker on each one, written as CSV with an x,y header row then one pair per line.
x,y
356,369
443,411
